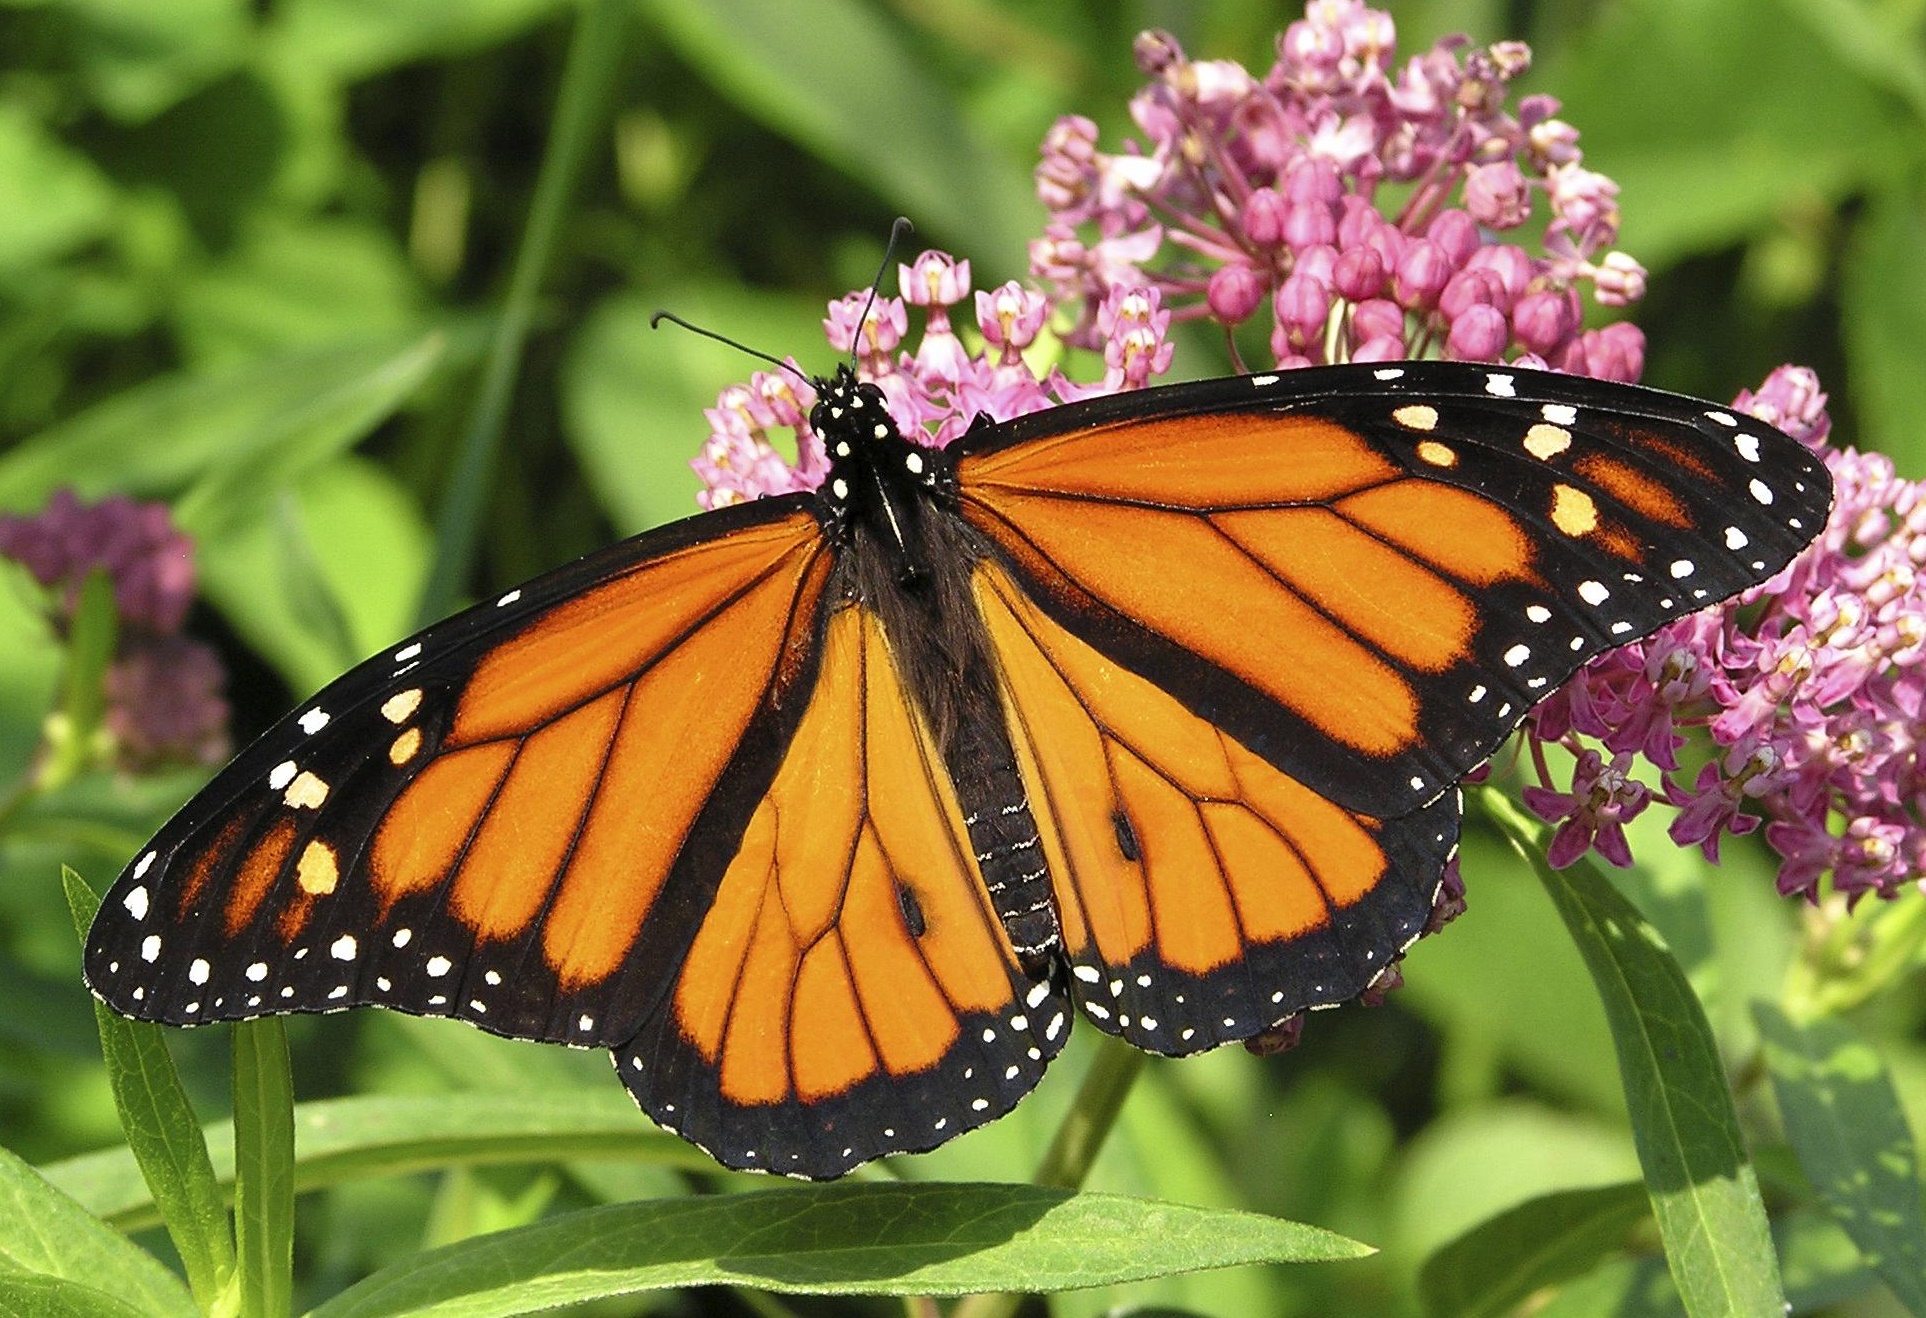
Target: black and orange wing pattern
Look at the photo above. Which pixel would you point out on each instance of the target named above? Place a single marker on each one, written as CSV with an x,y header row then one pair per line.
x,y
488,821
1253,632
819,813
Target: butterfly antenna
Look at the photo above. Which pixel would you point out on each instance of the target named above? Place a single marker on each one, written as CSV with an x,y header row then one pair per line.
x,y
897,232
655,322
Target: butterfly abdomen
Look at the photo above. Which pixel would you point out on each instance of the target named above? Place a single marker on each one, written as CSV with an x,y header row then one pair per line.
x,y
1008,849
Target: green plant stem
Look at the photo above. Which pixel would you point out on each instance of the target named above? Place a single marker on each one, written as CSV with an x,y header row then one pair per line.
x,y
73,735
594,53
1074,1149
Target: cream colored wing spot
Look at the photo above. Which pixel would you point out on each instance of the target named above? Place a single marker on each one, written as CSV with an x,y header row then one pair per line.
x,y
1573,511
1416,416
1436,454
318,870
1544,441
401,706
306,792
405,747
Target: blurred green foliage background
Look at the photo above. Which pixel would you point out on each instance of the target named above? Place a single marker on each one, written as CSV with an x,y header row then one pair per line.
x,y
251,252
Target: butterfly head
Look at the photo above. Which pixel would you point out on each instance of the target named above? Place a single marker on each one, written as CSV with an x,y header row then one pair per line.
x,y
850,412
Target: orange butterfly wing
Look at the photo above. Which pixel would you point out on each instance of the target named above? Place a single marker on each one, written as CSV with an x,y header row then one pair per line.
x,y
486,822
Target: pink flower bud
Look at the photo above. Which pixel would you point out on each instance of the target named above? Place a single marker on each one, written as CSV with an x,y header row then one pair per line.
x,y
1479,335
1421,273
1155,52
1308,179
1456,234
1509,264
1469,288
1378,318
1544,321
1303,305
1383,348
1358,274
1235,292
1316,262
1263,219
1616,352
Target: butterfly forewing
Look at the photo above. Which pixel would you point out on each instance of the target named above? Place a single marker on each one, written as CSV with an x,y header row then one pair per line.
x,y
477,823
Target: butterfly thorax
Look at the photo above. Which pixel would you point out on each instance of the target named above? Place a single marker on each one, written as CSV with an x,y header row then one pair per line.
x,y
913,570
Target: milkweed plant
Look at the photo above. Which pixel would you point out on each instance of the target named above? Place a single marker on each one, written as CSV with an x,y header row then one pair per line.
x,y
1345,204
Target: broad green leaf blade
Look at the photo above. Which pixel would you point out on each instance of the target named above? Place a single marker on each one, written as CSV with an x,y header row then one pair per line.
x,y
1498,1263
1704,1193
238,492
157,438
1843,1117
32,1295
347,1139
835,1239
834,79
47,1238
162,1131
1883,305
264,1167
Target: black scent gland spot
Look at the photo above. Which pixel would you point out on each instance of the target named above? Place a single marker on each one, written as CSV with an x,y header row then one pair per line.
x,y
912,910
1126,835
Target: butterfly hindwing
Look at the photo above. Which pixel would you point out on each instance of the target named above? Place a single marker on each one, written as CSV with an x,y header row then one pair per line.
x,y
849,990
1205,895
477,823
1371,586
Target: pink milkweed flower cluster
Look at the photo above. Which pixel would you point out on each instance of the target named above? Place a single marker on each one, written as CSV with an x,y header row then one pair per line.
x,y
1270,198
164,689
936,391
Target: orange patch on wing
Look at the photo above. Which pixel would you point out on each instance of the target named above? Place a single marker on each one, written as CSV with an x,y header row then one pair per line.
x,y
1179,576
424,832
828,1042
256,874
913,1023
1634,489
755,1051
682,726
1223,460
1453,530
506,872
1275,896
194,881
609,633
1395,602
1194,925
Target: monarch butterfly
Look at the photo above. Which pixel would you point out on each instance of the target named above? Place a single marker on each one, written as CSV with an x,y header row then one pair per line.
x,y
825,813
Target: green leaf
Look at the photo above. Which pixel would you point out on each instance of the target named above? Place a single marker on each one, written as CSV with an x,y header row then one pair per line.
x,y
293,282
239,491
1883,313
633,397
330,576
72,202
349,1139
354,39
1843,1117
835,79
1704,1192
835,1239
30,1295
264,1167
1497,1264
162,1131
155,439
1665,95
138,57
46,1238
